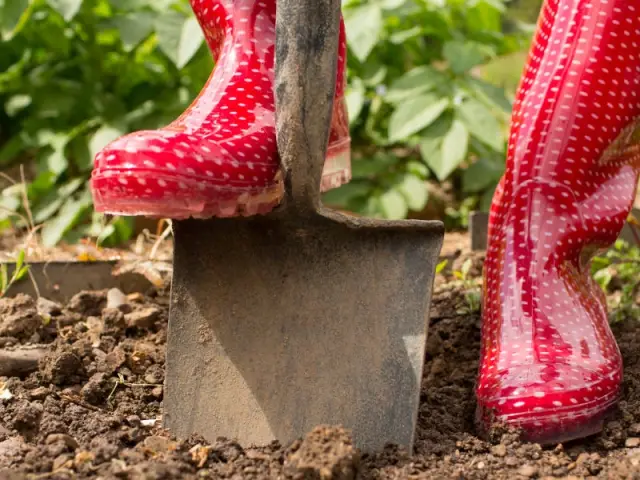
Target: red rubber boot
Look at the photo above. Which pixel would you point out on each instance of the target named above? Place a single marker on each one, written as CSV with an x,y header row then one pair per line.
x,y
550,363
220,157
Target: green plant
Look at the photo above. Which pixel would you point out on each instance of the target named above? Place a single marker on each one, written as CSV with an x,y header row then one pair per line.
x,y
419,107
618,273
472,290
76,74
20,270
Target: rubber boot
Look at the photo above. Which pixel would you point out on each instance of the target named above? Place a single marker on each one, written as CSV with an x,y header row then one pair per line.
x,y
549,362
220,157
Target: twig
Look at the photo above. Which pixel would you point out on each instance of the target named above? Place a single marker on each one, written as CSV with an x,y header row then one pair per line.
x,y
148,385
158,242
34,283
80,403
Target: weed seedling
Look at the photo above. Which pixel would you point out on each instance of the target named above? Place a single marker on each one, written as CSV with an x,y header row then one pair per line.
x,y
19,272
471,289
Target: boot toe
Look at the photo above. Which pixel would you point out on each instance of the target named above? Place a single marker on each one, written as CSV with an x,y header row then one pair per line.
x,y
177,175
550,403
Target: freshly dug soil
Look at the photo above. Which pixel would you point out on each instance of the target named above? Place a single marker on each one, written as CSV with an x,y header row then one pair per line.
x,y
91,407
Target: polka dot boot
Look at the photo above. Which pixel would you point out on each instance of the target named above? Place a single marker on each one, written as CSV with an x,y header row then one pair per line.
x,y
220,157
550,364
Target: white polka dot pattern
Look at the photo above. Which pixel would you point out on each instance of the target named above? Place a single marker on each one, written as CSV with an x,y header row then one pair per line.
x,y
550,363
220,157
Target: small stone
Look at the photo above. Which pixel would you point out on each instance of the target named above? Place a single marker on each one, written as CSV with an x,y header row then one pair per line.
x,y
39,393
157,392
63,461
634,429
511,461
154,375
133,420
135,297
144,318
528,471
115,298
48,307
499,450
68,440
149,422
632,442
83,457
480,465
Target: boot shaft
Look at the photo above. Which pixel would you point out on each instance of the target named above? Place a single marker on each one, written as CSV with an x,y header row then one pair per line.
x,y
249,26
580,90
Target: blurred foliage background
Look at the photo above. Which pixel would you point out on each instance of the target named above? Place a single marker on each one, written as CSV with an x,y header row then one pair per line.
x,y
429,97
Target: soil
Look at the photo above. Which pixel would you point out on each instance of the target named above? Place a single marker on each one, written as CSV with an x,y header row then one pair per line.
x,y
91,406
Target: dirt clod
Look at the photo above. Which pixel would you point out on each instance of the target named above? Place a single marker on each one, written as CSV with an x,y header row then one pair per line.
x,y
62,368
88,303
18,317
325,453
97,389
144,318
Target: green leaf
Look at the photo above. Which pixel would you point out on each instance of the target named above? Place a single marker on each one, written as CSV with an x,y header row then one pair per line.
x,y
20,260
418,169
363,25
67,8
481,175
415,115
462,56
71,212
340,197
372,166
16,104
11,149
490,93
481,123
13,16
452,152
4,278
393,205
414,82
133,27
179,37
50,204
355,98
20,273
404,35
441,266
414,191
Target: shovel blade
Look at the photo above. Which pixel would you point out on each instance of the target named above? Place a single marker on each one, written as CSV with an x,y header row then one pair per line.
x,y
278,326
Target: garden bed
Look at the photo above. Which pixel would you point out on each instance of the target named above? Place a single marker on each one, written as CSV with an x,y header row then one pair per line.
x,y
92,407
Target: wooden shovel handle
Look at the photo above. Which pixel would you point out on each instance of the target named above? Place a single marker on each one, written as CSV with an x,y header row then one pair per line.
x,y
307,33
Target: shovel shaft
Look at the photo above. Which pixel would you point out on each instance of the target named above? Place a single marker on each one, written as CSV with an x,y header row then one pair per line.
x,y
307,33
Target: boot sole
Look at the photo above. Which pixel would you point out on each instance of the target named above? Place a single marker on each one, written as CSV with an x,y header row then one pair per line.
x,y
118,192
553,427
